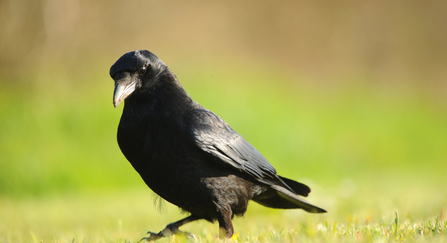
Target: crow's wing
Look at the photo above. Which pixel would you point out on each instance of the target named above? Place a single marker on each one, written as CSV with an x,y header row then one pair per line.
x,y
214,136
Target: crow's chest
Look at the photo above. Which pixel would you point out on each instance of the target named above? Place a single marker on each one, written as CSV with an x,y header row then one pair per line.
x,y
151,142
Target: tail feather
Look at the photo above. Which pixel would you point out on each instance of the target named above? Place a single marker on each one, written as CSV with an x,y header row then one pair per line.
x,y
296,200
298,188
280,197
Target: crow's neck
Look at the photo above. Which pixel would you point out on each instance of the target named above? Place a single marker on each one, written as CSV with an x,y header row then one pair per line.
x,y
166,98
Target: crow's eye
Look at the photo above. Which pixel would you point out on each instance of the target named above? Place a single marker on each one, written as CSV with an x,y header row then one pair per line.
x,y
142,70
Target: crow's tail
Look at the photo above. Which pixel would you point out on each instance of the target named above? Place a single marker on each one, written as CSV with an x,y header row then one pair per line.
x,y
279,197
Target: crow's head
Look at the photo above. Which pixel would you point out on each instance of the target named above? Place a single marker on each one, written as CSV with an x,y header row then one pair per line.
x,y
135,72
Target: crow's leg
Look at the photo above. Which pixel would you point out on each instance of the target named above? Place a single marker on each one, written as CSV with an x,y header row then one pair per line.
x,y
225,224
171,229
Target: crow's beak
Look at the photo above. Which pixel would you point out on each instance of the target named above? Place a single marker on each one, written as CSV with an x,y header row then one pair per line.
x,y
124,86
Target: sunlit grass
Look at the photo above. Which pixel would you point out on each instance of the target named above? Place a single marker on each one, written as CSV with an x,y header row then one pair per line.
x,y
125,216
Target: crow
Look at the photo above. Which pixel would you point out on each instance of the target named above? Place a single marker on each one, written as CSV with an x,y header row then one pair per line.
x,y
187,154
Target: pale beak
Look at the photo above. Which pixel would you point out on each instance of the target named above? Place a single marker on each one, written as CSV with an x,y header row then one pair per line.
x,y
124,86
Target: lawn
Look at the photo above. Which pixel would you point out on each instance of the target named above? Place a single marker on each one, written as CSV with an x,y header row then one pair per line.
x,y
125,216
374,155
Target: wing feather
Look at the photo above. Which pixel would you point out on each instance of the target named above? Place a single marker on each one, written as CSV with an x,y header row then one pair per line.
x,y
215,137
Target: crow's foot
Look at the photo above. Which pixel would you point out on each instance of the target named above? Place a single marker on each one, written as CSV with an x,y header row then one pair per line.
x,y
170,230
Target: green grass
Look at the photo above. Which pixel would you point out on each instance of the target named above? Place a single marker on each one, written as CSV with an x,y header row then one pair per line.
x,y
367,150
125,216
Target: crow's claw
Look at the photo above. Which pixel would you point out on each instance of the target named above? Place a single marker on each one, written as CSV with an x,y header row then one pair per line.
x,y
170,230
153,236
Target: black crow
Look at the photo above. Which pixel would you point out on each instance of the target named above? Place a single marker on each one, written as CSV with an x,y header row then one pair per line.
x,y
187,154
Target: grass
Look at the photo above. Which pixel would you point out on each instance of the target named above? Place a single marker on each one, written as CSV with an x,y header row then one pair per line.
x,y
125,216
373,155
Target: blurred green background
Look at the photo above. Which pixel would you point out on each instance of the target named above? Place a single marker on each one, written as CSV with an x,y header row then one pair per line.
x,y
346,96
